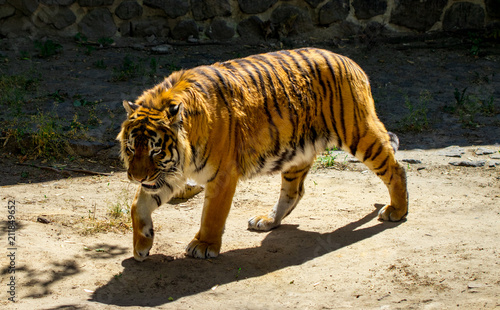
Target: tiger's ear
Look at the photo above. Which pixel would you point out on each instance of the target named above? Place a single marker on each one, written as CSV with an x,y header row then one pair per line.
x,y
175,112
130,107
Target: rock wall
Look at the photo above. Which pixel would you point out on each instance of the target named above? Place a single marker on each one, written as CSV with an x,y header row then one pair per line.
x,y
251,20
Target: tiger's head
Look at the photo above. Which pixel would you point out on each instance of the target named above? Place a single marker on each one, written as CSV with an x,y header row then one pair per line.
x,y
152,144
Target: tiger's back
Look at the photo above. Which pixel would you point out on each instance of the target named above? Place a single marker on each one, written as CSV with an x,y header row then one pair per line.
x,y
284,107
267,113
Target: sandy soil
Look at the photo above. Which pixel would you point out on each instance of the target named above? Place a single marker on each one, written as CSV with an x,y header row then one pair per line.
x,y
330,253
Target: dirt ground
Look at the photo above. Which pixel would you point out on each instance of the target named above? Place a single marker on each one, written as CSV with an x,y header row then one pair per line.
x,y
330,253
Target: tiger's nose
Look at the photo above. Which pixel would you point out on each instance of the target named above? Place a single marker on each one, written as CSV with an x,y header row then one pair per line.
x,y
134,178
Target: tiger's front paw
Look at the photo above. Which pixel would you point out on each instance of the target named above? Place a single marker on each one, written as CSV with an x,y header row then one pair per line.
x,y
389,213
143,242
262,223
199,249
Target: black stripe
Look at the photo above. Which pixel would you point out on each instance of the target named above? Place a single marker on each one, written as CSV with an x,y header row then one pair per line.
x,y
288,179
215,174
384,162
293,114
273,130
378,152
308,61
261,62
332,99
369,150
157,199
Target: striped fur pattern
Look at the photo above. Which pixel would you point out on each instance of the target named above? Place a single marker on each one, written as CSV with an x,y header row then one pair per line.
x,y
265,113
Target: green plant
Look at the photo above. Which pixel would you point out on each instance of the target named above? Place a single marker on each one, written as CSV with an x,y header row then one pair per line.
x,y
105,41
127,70
467,106
58,96
80,38
14,88
48,140
24,55
88,50
416,119
100,64
327,159
475,40
47,48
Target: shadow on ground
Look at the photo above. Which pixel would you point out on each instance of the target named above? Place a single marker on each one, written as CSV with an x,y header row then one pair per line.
x,y
162,279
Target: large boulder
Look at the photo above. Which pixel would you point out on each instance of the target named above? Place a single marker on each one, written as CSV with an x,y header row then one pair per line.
x,y
173,8
418,15
206,9
97,24
255,6
463,15
334,11
366,9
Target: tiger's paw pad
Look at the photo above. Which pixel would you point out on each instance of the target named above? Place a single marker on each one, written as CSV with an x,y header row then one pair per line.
x,y
389,213
199,249
262,223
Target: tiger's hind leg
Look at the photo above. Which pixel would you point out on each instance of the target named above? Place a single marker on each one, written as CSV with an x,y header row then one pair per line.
x,y
292,190
379,156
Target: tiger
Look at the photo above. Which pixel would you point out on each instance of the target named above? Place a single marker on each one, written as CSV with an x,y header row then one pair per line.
x,y
271,112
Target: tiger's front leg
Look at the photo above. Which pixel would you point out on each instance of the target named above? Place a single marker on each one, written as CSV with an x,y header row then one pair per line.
x,y
218,198
143,206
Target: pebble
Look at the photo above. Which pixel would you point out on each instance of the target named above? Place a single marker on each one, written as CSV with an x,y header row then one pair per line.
x,y
484,151
412,161
451,151
162,49
469,163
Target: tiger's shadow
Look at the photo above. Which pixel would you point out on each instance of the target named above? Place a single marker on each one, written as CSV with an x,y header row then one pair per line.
x,y
161,279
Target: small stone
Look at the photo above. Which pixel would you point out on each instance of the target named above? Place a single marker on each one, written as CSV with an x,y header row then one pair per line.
x,y
162,49
412,161
484,151
469,163
495,156
451,151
